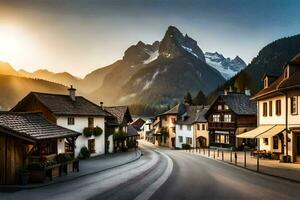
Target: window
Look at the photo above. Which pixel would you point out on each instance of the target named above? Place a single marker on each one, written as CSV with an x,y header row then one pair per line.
x,y
91,122
275,142
180,127
173,130
173,119
68,147
224,139
188,127
216,118
219,107
278,107
265,109
189,140
294,107
203,127
266,82
71,121
266,141
217,139
227,118
91,145
180,139
270,108
226,107
198,127
286,72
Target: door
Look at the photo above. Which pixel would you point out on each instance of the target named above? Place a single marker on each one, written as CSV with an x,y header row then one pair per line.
x,y
2,159
173,142
298,148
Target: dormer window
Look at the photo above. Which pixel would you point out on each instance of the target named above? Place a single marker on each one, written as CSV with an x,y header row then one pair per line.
x,y
266,82
219,107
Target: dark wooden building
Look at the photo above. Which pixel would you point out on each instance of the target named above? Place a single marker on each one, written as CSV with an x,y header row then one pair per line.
x,y
229,115
27,139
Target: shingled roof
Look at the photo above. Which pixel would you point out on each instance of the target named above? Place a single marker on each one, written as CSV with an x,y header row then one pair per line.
x,y
32,127
179,109
131,131
281,83
239,103
120,113
63,105
193,114
138,123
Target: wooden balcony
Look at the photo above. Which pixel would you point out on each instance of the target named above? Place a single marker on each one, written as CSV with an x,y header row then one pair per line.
x,y
221,125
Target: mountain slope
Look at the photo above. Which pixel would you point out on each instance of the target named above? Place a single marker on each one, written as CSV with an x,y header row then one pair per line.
x,y
226,66
7,69
160,77
14,88
270,60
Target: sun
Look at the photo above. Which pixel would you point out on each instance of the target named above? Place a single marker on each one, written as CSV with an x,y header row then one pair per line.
x,y
12,42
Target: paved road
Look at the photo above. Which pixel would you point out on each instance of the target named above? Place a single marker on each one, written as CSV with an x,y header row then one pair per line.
x,y
192,177
196,177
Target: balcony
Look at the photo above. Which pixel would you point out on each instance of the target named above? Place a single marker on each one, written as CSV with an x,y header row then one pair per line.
x,y
221,125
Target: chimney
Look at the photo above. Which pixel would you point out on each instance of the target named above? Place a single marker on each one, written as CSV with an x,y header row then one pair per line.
x,y
101,105
247,92
72,93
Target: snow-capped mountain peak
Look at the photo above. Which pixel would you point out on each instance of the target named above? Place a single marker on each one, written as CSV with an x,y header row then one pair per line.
x,y
226,66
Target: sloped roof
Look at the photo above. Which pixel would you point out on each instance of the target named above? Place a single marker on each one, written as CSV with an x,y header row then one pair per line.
x,y
138,123
119,112
33,126
193,114
176,110
63,105
281,84
240,103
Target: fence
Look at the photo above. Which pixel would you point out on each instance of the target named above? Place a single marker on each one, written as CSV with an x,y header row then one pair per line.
x,y
248,160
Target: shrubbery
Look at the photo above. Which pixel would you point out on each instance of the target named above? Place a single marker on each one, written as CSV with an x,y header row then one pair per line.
x,y
84,153
88,132
185,146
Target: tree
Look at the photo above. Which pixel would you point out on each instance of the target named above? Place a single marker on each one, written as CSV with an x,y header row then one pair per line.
x,y
188,99
242,81
200,99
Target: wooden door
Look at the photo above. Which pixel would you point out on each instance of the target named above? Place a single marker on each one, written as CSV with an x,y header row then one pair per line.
x,y
297,147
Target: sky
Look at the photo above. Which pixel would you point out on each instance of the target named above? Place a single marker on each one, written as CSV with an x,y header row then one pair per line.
x,y
79,36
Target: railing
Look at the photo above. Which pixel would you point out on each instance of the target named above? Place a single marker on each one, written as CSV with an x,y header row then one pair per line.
x,y
227,125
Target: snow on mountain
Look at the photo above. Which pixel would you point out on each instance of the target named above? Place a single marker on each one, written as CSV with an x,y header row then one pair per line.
x,y
153,56
226,66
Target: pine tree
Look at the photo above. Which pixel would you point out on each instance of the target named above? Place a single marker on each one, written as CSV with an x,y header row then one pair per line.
x,y
200,99
188,99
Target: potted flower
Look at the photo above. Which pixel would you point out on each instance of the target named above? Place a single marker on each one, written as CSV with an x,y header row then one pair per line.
x,y
24,175
97,131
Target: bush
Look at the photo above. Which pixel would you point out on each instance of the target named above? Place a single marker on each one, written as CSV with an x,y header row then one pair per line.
x,y
131,144
185,146
84,153
97,131
87,132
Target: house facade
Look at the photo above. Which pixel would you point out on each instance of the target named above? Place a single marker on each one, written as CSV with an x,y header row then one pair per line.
x,y
72,112
229,115
278,130
192,127
164,126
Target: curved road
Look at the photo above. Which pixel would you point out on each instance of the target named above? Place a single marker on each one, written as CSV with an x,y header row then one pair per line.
x,y
167,174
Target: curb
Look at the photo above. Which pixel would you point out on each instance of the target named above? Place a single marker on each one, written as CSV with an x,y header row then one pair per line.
x,y
19,187
251,170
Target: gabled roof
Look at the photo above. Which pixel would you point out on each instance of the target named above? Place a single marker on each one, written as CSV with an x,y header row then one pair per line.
x,y
63,105
192,115
282,84
120,113
240,103
32,127
138,123
179,109
131,131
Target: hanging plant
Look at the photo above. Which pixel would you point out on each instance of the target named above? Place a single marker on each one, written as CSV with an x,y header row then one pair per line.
x,y
87,132
97,131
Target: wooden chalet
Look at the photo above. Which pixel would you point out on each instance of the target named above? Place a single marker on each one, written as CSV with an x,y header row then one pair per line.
x,y
29,141
228,116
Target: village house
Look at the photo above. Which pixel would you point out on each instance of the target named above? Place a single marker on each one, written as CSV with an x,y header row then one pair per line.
x,y
72,112
278,131
164,126
30,142
229,115
192,127
138,124
117,124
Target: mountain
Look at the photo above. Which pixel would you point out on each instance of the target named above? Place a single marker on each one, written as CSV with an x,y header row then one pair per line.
x,y
226,66
270,60
14,88
7,69
158,73
61,78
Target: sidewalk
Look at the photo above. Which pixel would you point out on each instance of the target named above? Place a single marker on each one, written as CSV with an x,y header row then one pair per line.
x,y
288,171
86,167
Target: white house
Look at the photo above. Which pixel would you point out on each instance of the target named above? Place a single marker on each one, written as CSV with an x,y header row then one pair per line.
x,y
72,112
191,127
278,130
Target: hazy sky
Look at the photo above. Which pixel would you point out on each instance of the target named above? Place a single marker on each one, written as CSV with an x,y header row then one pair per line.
x,y
79,36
